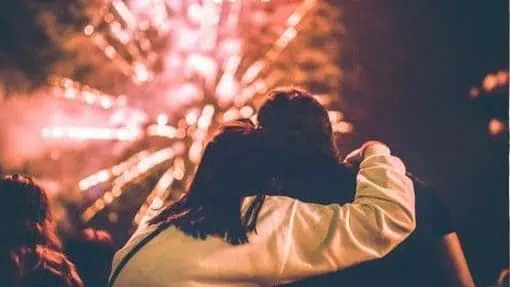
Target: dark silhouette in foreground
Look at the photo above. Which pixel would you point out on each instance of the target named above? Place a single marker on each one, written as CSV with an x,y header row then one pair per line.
x,y
92,253
30,252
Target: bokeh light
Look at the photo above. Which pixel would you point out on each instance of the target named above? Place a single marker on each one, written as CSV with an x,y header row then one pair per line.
x,y
181,69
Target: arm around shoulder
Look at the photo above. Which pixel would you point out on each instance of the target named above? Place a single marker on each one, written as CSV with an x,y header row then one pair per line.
x,y
323,239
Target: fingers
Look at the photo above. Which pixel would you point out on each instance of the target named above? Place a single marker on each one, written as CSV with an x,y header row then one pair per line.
x,y
354,157
369,147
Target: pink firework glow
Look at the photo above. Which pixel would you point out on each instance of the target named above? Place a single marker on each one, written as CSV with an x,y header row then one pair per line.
x,y
190,66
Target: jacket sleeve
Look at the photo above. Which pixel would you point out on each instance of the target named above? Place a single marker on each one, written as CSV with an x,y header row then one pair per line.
x,y
326,238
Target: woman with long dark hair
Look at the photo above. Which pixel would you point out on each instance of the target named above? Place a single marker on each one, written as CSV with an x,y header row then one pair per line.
x,y
30,252
226,232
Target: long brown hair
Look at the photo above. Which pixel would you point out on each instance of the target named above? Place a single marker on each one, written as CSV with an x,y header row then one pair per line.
x,y
25,212
30,250
226,174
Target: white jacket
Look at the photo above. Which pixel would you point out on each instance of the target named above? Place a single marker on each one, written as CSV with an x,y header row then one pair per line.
x,y
294,240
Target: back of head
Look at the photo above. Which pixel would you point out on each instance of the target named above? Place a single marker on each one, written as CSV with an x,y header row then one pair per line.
x,y
228,160
25,214
295,121
29,248
298,132
227,172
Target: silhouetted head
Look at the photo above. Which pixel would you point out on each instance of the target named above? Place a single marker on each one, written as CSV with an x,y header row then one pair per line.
x,y
228,171
25,217
298,136
29,248
297,123
228,162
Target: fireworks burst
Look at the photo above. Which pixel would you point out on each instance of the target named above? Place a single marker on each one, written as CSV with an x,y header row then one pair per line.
x,y
191,67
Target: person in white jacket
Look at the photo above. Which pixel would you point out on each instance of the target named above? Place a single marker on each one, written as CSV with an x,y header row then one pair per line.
x,y
226,232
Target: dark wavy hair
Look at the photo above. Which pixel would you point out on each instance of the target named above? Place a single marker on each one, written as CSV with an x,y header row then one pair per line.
x,y
227,173
298,136
25,213
30,251
297,123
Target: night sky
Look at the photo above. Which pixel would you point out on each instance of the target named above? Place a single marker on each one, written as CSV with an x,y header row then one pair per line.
x,y
409,67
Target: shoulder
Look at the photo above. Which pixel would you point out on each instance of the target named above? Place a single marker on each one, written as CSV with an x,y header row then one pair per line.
x,y
431,210
426,196
142,232
272,202
274,213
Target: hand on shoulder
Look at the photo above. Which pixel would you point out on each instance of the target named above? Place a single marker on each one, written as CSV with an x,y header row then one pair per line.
x,y
371,147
